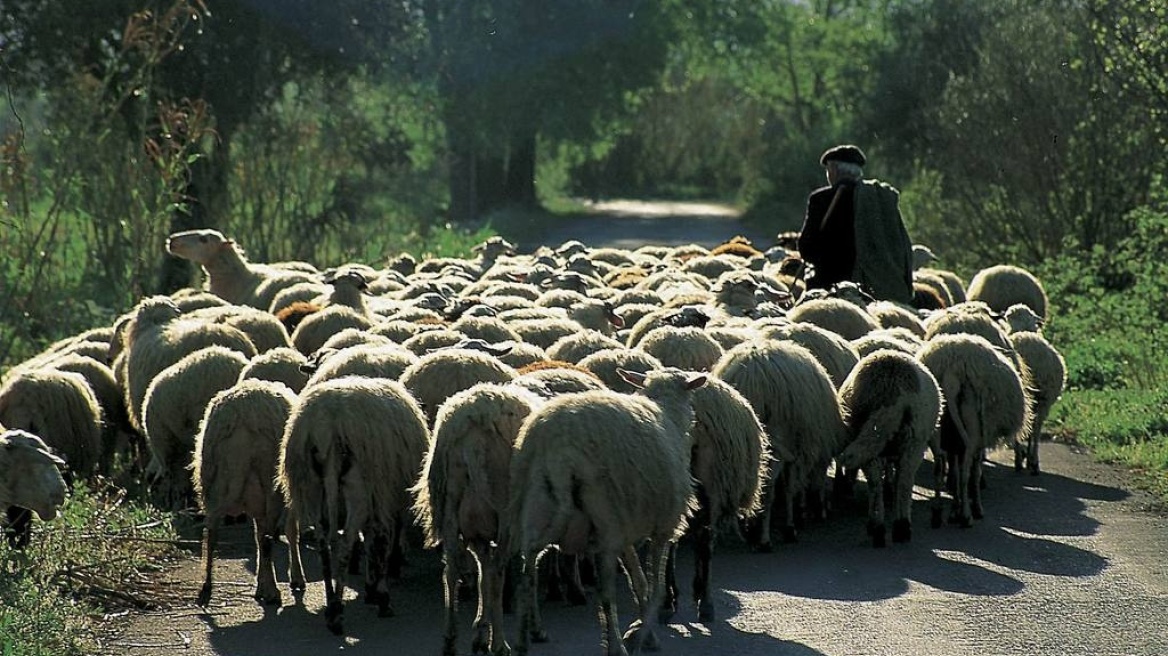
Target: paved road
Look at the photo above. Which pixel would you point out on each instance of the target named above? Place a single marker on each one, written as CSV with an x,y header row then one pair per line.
x,y
1068,563
1073,562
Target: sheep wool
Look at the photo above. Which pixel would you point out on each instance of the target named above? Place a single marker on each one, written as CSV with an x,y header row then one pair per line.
x,y
891,406
233,471
985,403
30,474
60,408
603,471
351,451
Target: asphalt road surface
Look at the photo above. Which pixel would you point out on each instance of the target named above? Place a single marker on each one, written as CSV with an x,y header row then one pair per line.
x,y
1071,562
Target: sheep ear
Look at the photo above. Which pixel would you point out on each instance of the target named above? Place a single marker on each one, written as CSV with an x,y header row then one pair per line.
x,y
227,243
634,378
695,382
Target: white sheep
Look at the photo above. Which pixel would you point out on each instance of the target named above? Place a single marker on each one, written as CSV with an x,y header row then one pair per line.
x,y
954,285
835,353
175,402
606,365
280,365
601,472
233,471
886,339
317,328
61,409
985,402
688,347
1047,376
463,494
153,337
375,362
263,329
893,315
1004,285
576,347
554,378
891,406
837,315
115,420
1020,318
793,397
30,477
730,464
440,374
351,450
229,275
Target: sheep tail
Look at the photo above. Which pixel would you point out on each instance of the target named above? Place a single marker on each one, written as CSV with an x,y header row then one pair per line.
x,y
881,426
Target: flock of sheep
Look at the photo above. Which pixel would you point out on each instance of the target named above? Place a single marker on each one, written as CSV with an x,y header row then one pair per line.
x,y
599,400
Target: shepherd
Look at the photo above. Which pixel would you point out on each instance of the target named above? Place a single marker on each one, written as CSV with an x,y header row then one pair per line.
x,y
853,231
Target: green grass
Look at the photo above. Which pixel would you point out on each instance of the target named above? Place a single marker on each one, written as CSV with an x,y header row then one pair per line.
x,y
1126,427
93,559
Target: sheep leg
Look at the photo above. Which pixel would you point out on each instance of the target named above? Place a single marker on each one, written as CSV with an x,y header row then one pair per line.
x,y
1035,438
963,464
333,600
672,593
790,490
764,517
703,554
938,508
610,636
481,625
265,534
380,555
874,472
296,580
491,601
906,471
630,560
640,635
210,539
530,623
450,570
574,590
976,483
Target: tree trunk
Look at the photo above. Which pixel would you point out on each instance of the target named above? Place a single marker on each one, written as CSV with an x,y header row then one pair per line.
x,y
490,176
519,188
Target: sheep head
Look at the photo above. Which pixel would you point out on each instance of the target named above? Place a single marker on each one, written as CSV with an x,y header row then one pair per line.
x,y
31,474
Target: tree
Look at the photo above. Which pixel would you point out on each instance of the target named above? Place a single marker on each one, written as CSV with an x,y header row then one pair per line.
x,y
510,72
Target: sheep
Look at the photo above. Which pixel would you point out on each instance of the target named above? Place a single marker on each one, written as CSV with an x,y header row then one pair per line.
x,y
229,275
522,354
953,283
431,340
398,330
174,406
555,378
574,348
937,284
972,318
313,293
350,452
318,327
440,374
1020,318
115,418
891,406
985,401
606,365
545,332
793,397
488,329
688,348
280,365
602,471
154,337
61,409
1004,285
1047,376
462,496
263,329
835,314
833,351
355,337
926,298
884,339
291,316
375,362
190,300
893,315
598,315
730,463
233,471
30,477
729,336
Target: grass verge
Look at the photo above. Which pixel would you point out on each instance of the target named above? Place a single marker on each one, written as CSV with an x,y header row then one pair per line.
x,y
94,559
